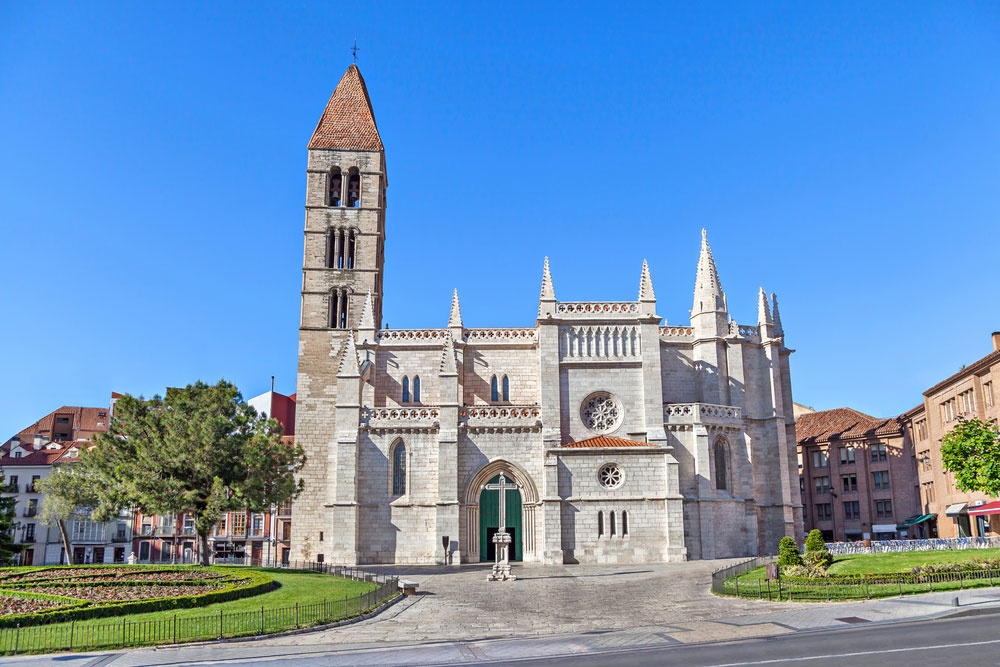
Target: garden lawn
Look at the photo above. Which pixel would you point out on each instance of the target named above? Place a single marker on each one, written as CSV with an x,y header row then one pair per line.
x,y
296,586
888,562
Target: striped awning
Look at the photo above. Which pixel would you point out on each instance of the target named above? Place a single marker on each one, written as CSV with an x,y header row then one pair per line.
x,y
956,509
988,508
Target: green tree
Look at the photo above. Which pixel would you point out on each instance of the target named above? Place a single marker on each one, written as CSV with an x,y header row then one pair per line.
x,y
68,493
199,450
788,552
971,451
8,512
817,555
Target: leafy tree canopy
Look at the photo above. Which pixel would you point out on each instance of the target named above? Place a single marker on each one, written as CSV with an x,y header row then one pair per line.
x,y
971,451
199,450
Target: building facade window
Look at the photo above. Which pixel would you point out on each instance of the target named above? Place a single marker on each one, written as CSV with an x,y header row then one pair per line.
x,y
416,388
239,523
921,428
505,388
399,469
822,485
879,453
820,459
339,304
928,489
353,188
406,389
494,390
880,480
600,524
967,401
624,523
852,509
988,393
846,456
824,512
883,509
611,522
850,482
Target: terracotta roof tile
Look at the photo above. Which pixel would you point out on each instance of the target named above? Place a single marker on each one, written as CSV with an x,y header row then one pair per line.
x,y
348,122
607,441
842,423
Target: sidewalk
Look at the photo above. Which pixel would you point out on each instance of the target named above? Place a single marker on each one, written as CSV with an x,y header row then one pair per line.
x,y
460,617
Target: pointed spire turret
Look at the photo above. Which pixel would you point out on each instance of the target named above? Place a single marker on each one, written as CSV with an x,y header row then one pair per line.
x,y
709,314
708,296
548,295
646,284
778,329
348,122
455,316
366,323
349,365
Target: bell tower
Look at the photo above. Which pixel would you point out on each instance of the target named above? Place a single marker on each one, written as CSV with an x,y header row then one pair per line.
x,y
342,272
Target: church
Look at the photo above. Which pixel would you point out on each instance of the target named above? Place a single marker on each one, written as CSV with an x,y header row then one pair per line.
x,y
624,440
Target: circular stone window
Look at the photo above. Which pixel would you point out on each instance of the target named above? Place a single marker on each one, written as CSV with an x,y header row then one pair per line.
x,y
610,476
602,412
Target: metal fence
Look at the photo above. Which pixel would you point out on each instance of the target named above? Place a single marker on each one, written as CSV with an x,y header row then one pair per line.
x,y
719,577
894,546
119,633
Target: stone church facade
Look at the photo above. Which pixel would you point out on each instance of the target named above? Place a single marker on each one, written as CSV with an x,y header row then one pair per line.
x,y
629,440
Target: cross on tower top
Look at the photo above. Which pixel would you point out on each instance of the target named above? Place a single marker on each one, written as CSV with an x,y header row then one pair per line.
x,y
354,51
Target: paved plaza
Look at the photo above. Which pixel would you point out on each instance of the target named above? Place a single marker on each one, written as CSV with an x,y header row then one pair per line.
x,y
549,611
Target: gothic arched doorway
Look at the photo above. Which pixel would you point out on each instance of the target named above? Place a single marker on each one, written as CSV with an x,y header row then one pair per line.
x,y
489,522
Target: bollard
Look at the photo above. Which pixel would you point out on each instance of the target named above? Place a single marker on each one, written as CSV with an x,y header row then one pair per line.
x,y
954,601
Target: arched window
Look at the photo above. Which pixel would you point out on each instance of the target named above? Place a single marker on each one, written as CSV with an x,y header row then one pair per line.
x,y
399,469
612,524
600,524
416,388
506,388
494,391
338,309
341,243
721,467
406,389
334,189
352,241
353,188
624,523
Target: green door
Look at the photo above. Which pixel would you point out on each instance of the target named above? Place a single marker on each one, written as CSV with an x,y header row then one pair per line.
x,y
489,522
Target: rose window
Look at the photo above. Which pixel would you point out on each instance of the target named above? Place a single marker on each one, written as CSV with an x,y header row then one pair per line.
x,y
610,476
601,412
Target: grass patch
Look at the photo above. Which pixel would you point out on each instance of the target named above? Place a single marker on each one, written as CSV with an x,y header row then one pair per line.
x,y
303,598
870,576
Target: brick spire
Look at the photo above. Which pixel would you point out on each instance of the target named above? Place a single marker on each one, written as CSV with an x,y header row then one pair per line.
x,y
348,122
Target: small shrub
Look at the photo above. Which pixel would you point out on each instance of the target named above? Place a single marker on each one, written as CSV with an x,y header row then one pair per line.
x,y
788,552
817,555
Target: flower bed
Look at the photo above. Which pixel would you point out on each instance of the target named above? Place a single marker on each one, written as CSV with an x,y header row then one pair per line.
x,y
66,593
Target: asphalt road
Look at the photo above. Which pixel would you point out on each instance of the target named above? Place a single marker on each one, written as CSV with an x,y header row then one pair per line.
x,y
971,641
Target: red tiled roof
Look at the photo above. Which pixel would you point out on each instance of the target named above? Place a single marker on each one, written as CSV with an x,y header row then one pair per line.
x,y
40,457
83,423
348,122
606,441
842,423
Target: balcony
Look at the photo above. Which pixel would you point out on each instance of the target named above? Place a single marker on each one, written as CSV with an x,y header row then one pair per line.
x,y
31,511
9,488
702,413
166,531
28,539
121,536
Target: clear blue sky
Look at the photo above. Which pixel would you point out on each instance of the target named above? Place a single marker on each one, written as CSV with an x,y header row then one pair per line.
x,y
152,156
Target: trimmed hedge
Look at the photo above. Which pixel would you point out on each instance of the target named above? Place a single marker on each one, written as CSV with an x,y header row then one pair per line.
x,y
244,584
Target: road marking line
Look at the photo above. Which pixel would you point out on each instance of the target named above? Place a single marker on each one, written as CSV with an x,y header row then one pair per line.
x,y
775,661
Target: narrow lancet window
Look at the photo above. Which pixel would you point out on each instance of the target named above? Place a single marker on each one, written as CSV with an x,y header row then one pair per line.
x,y
351,245
624,523
506,388
406,389
416,388
612,522
721,469
399,469
494,390
600,524
353,189
335,188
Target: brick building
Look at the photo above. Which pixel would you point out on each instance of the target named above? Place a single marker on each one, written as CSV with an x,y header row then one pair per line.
x,y
968,393
630,440
858,476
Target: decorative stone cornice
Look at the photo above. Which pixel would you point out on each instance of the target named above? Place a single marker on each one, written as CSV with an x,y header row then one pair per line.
x,y
702,414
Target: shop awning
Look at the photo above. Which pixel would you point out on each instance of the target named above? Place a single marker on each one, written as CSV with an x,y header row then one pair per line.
x,y
956,509
884,528
919,518
988,508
